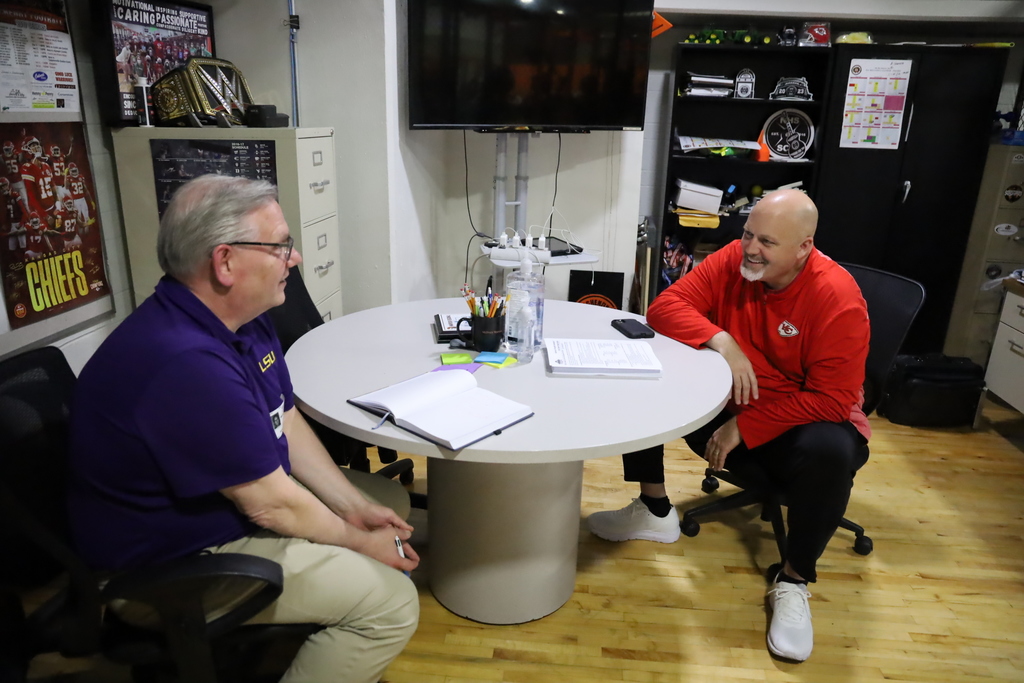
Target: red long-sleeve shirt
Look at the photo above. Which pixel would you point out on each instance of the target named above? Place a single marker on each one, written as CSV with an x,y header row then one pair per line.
x,y
807,342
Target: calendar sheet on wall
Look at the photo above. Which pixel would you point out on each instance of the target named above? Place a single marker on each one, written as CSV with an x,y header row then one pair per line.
x,y
875,105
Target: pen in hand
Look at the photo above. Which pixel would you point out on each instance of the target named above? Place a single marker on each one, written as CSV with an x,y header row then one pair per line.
x,y
401,551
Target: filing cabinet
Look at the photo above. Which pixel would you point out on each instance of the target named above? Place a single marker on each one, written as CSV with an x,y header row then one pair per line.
x,y
302,160
1005,374
994,250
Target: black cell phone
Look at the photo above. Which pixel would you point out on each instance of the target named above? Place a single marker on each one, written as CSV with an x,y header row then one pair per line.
x,y
632,328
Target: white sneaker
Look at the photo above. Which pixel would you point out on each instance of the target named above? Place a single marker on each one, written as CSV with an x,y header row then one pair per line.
x,y
635,522
790,635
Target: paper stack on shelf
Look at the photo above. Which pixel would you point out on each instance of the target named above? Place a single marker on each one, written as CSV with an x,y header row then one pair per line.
x,y
704,85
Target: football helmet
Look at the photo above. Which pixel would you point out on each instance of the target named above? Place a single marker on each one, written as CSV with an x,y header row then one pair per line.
x,y
33,147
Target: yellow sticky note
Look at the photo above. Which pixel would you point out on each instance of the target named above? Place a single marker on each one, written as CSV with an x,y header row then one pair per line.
x,y
456,358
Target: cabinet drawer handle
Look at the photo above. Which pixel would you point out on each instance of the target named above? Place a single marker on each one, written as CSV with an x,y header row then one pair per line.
x,y
1020,310
319,186
323,267
1016,348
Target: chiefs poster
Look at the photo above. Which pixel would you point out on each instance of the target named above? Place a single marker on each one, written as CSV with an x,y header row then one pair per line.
x,y
51,245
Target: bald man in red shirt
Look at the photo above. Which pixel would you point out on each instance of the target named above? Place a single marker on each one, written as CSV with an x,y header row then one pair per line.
x,y
793,327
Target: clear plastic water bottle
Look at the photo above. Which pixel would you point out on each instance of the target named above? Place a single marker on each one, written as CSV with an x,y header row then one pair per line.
x,y
524,319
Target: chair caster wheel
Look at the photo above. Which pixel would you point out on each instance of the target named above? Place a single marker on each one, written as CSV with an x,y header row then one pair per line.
x,y
863,545
406,477
690,528
709,485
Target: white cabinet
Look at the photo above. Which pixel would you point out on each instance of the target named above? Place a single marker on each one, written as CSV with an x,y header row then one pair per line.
x,y
307,192
1005,374
994,250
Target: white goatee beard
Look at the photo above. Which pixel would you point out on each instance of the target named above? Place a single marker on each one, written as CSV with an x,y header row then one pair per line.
x,y
749,274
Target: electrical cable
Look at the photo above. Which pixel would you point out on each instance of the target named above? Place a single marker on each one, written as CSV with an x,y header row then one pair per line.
x,y
469,212
558,164
551,215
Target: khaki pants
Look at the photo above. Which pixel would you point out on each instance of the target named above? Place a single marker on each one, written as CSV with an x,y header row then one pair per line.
x,y
369,610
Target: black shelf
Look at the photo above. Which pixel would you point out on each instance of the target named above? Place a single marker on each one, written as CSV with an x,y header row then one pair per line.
x,y
738,161
737,118
746,101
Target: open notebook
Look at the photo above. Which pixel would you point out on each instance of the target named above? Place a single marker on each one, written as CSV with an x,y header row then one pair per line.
x,y
447,408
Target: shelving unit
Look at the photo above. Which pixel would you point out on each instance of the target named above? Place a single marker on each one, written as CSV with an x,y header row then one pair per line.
x,y
735,119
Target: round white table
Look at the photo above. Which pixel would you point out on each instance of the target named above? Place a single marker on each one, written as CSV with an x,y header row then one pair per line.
x,y
504,513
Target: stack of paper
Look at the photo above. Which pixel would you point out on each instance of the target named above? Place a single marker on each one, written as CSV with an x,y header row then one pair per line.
x,y
704,85
601,358
690,218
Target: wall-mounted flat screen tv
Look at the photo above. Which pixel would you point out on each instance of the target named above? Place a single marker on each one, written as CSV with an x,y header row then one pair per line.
x,y
548,65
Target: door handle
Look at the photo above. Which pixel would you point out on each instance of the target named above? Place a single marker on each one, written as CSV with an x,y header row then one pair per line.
x,y
906,190
324,266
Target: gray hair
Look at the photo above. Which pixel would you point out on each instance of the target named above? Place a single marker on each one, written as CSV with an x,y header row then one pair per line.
x,y
207,211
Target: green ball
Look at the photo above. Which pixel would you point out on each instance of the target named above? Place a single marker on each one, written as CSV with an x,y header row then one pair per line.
x,y
756,190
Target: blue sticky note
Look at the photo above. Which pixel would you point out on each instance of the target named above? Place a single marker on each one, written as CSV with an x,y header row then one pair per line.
x,y
490,357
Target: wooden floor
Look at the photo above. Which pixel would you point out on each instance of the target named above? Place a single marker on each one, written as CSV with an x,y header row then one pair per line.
x,y
940,599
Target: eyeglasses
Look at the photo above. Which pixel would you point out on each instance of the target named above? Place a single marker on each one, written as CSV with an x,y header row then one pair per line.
x,y
286,246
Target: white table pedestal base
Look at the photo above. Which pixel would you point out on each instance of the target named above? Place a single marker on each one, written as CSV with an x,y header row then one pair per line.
x,y
503,538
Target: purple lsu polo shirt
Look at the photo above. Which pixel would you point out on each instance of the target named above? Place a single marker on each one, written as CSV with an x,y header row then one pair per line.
x,y
170,409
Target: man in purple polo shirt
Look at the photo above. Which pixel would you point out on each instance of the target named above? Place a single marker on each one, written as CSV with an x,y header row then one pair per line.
x,y
185,439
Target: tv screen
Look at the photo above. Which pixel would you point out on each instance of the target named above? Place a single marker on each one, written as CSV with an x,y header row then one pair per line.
x,y
549,65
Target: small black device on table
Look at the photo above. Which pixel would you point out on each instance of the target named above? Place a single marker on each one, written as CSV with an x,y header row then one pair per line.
x,y
632,328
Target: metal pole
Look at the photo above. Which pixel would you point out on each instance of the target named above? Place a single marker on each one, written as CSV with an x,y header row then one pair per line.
x,y
500,194
522,178
293,31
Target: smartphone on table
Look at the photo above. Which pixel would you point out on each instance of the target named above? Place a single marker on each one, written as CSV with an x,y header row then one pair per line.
x,y
632,328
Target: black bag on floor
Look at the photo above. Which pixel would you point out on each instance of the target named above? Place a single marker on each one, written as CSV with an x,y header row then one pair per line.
x,y
932,390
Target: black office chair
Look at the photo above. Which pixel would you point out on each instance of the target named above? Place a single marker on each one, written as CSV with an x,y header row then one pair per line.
x,y
294,318
35,396
893,302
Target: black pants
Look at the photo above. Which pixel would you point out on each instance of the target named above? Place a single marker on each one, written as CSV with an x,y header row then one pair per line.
x,y
813,465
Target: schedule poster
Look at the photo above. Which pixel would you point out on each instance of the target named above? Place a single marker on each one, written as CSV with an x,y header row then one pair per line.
x,y
876,97
37,63
175,162
51,243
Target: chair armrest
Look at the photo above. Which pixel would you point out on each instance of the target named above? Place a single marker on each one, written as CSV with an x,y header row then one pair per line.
x,y
176,588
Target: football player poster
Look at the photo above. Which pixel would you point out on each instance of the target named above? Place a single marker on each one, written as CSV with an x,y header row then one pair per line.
x,y
51,244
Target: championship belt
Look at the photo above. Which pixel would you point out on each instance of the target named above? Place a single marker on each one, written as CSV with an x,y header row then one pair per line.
x,y
203,91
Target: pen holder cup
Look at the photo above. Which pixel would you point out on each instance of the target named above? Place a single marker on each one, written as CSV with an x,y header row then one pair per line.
x,y
485,334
